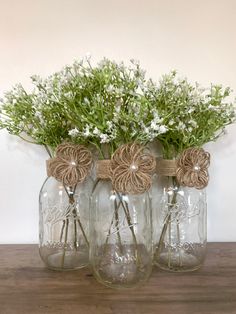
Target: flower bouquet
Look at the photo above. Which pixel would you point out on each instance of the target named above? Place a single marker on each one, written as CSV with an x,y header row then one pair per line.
x,y
97,124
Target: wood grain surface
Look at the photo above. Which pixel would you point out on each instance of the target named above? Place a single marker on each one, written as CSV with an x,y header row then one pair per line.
x,y
27,287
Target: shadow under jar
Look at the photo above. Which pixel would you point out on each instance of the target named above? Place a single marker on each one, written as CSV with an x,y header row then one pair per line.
x,y
120,235
179,225
63,224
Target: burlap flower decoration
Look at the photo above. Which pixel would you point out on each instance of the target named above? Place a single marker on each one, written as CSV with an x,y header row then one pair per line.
x,y
192,168
71,164
131,169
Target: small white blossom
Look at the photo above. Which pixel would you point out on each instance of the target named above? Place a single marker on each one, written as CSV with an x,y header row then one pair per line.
x,y
69,95
193,123
181,126
124,128
110,88
86,101
104,138
190,110
73,132
39,115
190,129
86,131
96,131
211,107
154,125
156,116
163,129
139,90
21,125
110,125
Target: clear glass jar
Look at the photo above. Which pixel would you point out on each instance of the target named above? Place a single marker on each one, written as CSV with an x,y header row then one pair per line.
x,y
120,235
179,225
63,224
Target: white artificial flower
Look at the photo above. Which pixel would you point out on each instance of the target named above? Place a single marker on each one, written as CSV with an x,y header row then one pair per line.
x,y
110,125
21,125
104,138
86,131
181,126
96,131
154,125
38,114
190,110
156,116
139,90
171,122
134,132
73,132
119,91
163,129
146,130
86,101
36,79
193,123
69,95
124,128
190,129
213,108
110,88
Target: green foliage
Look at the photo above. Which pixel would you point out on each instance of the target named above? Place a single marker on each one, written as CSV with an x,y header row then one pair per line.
x,y
110,104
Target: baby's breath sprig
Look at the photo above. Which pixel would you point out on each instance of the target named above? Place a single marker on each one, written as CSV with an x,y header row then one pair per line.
x,y
107,106
103,105
111,104
193,116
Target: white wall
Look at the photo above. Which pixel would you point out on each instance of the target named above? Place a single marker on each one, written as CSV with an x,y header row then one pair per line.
x,y
38,37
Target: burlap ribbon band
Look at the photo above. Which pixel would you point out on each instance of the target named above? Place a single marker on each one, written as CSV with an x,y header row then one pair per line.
x,y
130,168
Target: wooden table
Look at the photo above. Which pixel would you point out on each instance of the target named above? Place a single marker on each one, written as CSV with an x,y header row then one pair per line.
x,y
27,287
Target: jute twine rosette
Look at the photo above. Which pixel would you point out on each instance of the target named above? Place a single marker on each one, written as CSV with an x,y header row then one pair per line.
x,y
71,164
130,169
190,169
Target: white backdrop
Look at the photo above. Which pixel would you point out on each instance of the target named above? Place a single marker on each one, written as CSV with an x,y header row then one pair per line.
x,y
198,38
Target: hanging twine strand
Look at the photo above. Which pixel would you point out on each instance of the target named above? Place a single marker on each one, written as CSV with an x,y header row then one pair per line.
x,y
130,169
190,169
71,164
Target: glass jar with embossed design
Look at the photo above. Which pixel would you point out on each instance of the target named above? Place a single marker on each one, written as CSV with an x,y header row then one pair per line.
x,y
63,226
120,236
179,225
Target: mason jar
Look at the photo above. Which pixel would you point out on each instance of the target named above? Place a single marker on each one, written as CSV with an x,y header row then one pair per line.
x,y
179,225
120,236
64,224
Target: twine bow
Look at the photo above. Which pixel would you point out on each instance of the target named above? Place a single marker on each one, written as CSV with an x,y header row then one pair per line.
x,y
192,168
130,169
71,164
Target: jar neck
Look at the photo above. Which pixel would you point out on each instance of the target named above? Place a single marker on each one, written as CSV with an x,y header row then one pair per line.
x,y
169,152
